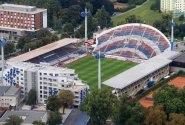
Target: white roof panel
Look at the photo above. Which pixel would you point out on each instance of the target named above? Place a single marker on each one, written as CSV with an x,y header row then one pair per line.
x,y
42,50
140,71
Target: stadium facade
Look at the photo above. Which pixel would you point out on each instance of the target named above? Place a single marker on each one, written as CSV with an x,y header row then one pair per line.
x,y
135,42
143,75
58,53
46,80
139,43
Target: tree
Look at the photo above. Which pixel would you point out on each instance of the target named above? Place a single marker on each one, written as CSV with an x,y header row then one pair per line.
x,y
181,18
68,28
176,119
53,103
43,33
38,123
66,98
127,113
14,120
174,105
133,19
156,5
99,105
155,116
32,97
9,48
55,118
103,18
22,41
171,99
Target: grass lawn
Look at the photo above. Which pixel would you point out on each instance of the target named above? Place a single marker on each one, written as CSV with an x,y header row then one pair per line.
x,y
87,69
144,12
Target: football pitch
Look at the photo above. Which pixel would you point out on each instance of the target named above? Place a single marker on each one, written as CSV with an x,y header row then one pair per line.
x,y
87,69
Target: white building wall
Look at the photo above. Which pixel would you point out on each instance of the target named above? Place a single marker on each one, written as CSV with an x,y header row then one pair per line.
x,y
45,19
49,81
175,6
7,101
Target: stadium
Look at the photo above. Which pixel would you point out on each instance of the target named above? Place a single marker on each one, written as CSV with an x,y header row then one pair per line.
x,y
132,41
137,56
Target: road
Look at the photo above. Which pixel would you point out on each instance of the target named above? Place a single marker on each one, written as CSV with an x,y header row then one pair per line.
x,y
130,9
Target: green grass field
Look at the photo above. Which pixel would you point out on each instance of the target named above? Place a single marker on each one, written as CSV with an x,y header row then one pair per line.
x,y
144,12
87,69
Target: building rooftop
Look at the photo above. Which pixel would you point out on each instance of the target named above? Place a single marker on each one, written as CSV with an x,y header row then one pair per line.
x,y
138,72
12,91
20,8
180,58
77,117
42,50
27,116
8,90
3,90
40,67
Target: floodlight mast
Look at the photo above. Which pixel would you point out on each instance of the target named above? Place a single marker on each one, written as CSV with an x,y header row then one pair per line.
x,y
172,34
99,71
99,56
86,14
86,30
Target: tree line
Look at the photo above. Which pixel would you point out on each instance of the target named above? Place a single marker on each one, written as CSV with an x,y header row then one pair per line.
x,y
168,109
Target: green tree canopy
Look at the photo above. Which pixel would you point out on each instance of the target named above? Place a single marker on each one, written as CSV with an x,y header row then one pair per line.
x,y
127,113
55,118
66,98
103,18
38,123
98,105
133,19
9,48
53,103
13,120
32,97
171,99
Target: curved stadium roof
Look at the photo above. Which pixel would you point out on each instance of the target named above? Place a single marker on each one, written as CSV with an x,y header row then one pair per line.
x,y
132,41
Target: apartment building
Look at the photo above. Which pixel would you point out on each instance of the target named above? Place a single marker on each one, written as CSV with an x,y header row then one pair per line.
x,y
9,96
46,80
15,20
177,7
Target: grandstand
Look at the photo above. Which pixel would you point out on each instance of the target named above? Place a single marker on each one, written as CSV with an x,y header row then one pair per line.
x,y
143,75
132,41
58,53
